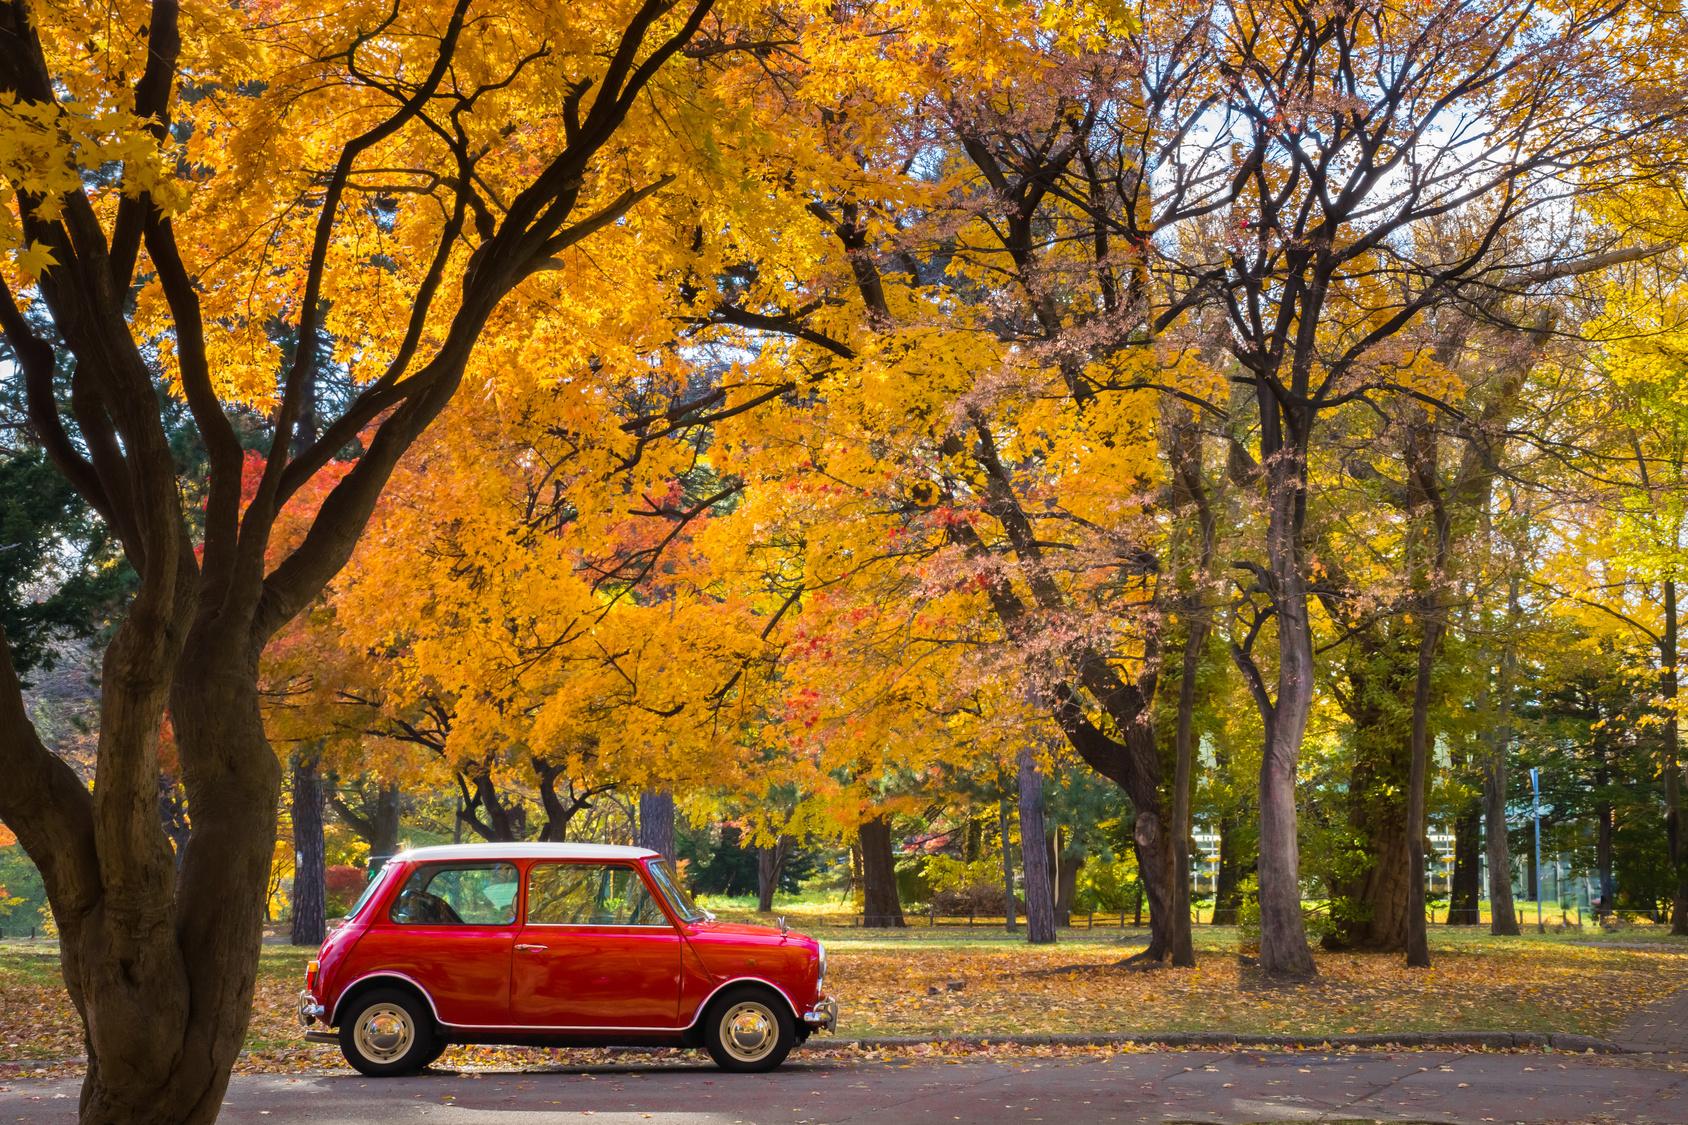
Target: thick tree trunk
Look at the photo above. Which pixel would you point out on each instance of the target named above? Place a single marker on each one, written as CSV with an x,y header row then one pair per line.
x,y
1283,931
770,864
310,865
881,906
162,966
1369,900
1005,833
656,822
1034,852
1503,913
1465,885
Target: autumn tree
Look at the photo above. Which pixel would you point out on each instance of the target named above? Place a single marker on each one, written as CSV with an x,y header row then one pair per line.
x,y
180,181
1351,132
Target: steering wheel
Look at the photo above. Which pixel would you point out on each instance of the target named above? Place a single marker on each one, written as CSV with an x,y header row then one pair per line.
x,y
424,908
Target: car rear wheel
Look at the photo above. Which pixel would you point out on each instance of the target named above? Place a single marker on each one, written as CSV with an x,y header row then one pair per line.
x,y
388,1032
749,1031
439,1048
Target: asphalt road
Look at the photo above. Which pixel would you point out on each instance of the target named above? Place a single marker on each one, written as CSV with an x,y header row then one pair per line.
x,y
1230,1087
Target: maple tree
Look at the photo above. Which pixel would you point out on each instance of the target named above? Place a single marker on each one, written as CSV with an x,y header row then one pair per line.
x,y
408,168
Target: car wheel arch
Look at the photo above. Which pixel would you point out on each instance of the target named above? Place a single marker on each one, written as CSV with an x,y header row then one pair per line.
x,y
378,980
758,983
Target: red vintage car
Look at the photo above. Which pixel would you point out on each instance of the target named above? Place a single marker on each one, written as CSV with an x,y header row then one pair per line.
x,y
555,945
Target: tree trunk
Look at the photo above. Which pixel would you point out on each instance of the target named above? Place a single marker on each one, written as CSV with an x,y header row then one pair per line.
x,y
1503,913
384,840
1604,821
1369,898
1676,847
310,866
881,906
1003,823
1183,951
1421,459
770,864
375,820
1283,932
1034,853
1190,497
161,964
656,822
1465,885
1066,884
1418,938
1228,879
491,815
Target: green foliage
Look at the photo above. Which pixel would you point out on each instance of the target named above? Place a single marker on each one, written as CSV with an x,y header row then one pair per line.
x,y
718,862
23,899
60,574
1107,886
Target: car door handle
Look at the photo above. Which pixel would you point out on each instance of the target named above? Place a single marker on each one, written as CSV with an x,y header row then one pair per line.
x,y
521,948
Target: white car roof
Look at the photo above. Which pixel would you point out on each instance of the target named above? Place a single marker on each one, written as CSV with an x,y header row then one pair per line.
x,y
525,851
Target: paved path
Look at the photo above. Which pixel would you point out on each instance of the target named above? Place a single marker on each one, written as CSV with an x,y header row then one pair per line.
x,y
1207,1087
1661,1027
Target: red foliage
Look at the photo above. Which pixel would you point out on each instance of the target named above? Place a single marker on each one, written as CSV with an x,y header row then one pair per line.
x,y
342,880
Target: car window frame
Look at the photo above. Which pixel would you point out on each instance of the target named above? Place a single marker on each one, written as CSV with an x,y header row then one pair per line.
x,y
518,907
638,870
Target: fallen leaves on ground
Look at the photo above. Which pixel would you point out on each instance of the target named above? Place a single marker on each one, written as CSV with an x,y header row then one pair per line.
x,y
904,985
1471,987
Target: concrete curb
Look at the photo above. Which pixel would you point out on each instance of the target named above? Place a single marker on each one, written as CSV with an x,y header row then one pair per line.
x,y
1504,1040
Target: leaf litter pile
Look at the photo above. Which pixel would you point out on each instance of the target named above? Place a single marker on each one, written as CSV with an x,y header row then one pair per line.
x,y
905,986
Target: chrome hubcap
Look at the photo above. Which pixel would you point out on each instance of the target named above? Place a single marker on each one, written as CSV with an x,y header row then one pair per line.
x,y
384,1033
749,1031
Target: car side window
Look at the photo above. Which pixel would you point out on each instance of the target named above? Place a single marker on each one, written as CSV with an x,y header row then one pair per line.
x,y
590,894
458,894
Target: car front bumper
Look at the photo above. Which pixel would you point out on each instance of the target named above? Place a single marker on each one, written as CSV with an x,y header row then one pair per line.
x,y
823,1016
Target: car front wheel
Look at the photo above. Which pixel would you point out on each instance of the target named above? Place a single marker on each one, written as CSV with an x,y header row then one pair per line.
x,y
748,1031
387,1033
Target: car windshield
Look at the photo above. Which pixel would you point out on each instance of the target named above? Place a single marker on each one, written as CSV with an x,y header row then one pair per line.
x,y
676,894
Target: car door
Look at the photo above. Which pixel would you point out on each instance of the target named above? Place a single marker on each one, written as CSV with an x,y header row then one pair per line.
x,y
450,929
595,950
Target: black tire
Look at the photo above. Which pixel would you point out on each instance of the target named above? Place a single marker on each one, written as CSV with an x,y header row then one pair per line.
x,y
440,1044
387,1032
749,1030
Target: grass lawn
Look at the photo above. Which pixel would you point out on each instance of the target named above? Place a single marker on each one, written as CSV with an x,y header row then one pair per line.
x,y
902,983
